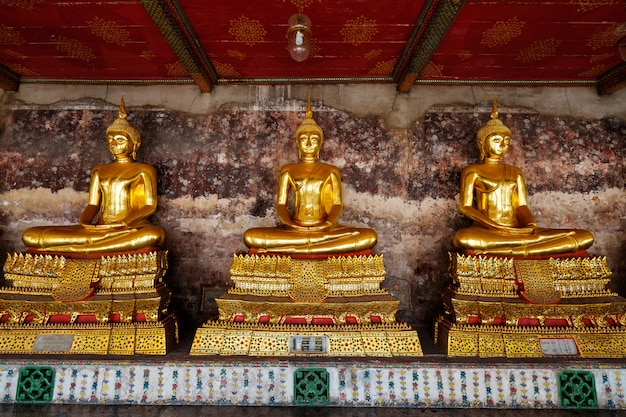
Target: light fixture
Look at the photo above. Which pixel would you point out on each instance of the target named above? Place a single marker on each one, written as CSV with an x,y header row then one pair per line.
x,y
620,32
299,36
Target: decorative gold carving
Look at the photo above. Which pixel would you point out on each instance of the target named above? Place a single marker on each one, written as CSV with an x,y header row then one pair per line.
x,y
226,70
216,338
109,31
502,32
11,36
247,30
538,50
359,30
73,48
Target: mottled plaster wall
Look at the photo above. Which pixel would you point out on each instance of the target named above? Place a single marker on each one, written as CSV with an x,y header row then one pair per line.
x,y
218,170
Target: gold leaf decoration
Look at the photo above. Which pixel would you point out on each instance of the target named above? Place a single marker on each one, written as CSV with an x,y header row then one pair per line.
x,y
464,55
383,67
301,4
13,54
147,54
432,70
176,70
11,36
23,71
359,30
603,39
538,50
502,32
373,53
109,31
587,5
24,4
236,54
602,57
226,70
595,71
246,30
73,48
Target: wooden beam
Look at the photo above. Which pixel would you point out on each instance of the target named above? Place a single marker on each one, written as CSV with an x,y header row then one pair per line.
x,y
175,28
428,33
9,80
612,80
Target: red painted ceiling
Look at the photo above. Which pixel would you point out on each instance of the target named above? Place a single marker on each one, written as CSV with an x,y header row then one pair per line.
x,y
213,42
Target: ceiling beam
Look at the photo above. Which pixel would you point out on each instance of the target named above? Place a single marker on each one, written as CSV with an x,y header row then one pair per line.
x,y
9,80
612,80
429,30
175,28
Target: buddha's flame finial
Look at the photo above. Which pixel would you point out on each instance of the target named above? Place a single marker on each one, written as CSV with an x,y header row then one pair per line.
x,y
494,109
309,112
122,111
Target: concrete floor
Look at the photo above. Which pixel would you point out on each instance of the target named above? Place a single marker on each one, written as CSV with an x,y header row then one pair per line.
x,y
20,410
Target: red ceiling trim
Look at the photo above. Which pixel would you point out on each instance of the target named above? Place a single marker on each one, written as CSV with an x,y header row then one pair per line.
x,y
613,80
9,80
442,18
173,24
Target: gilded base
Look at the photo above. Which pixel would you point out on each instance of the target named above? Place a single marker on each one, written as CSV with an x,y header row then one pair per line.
x,y
218,338
113,304
90,339
325,306
530,342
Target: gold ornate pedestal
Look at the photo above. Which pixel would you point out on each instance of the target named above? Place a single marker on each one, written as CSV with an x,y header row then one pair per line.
x,y
281,306
531,308
91,305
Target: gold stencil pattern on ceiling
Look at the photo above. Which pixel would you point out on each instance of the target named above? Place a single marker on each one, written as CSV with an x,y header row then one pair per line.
x,y
538,50
587,5
73,48
147,54
359,30
176,69
502,32
226,70
24,4
11,36
601,57
383,68
246,30
301,4
236,54
596,71
23,71
432,70
373,53
464,54
603,39
109,31
13,54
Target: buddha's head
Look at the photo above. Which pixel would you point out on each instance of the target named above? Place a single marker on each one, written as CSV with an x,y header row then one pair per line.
x,y
309,135
121,127
492,129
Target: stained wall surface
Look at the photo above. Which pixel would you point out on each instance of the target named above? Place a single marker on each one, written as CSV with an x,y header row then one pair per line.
x,y
218,156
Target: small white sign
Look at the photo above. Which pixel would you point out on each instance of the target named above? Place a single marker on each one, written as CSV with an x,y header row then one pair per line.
x,y
559,346
308,345
54,342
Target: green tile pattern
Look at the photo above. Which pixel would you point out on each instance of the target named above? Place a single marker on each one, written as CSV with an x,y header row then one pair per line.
x,y
577,389
311,387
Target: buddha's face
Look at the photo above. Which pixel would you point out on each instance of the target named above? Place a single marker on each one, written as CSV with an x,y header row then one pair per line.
x,y
119,144
309,144
497,144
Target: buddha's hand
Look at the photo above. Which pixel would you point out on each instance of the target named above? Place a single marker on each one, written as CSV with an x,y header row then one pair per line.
x,y
519,231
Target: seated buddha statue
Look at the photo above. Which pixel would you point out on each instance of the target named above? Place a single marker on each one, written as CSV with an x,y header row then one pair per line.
x,y
493,195
122,196
310,224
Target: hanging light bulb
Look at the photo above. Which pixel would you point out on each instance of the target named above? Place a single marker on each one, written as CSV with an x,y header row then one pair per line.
x,y
299,37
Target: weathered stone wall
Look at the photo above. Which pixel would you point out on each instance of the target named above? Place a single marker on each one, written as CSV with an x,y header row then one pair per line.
x,y
218,171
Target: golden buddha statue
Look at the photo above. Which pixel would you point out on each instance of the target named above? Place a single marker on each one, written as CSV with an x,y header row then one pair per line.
x,y
122,196
493,195
310,227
